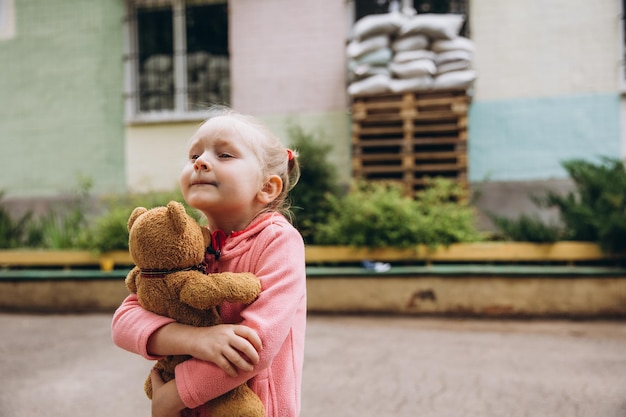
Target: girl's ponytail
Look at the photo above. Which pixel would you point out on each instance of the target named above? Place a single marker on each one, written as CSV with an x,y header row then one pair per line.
x,y
293,169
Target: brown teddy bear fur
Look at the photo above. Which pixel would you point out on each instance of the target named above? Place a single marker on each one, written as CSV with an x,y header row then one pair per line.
x,y
167,246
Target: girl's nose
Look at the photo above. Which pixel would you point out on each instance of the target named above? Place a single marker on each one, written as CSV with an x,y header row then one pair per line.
x,y
201,164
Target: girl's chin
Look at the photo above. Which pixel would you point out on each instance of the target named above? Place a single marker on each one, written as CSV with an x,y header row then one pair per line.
x,y
198,201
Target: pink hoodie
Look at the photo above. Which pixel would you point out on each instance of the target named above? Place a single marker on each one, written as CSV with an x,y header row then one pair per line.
x,y
272,249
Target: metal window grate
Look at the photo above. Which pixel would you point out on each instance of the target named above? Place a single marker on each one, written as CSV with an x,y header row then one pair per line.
x,y
177,59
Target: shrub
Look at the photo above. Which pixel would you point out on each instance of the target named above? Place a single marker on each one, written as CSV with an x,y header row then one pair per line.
x,y
109,230
59,228
446,213
379,215
527,229
13,232
310,205
595,211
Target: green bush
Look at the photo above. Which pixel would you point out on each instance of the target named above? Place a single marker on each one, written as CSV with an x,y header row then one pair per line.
x,y
527,229
72,227
595,211
378,215
109,230
446,213
59,228
318,179
13,232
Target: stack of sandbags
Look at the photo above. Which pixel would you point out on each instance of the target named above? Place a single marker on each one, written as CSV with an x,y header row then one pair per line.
x,y
197,82
156,83
208,79
413,65
413,48
424,52
369,53
454,62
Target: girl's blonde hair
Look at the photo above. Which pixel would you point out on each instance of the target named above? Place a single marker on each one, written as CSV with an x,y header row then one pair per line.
x,y
273,156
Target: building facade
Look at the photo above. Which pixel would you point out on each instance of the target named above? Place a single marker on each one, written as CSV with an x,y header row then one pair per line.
x,y
86,90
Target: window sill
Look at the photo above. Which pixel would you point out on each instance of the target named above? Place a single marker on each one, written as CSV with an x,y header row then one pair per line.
x,y
165,117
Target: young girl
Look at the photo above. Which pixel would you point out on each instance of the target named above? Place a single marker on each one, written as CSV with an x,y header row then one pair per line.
x,y
238,174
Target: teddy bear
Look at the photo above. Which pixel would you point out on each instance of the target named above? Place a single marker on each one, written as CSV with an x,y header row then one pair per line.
x,y
168,246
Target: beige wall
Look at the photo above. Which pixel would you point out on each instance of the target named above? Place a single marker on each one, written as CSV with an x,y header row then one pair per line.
x,y
155,154
536,48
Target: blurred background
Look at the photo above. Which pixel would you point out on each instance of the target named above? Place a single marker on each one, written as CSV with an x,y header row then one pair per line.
x,y
112,90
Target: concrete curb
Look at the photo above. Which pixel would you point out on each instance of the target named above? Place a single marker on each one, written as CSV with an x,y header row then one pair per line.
x,y
456,290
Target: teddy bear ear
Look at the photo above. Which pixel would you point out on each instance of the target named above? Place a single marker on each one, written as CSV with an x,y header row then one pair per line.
x,y
138,211
178,215
206,234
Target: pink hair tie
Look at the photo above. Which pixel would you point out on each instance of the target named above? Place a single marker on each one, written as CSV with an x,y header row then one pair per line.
x,y
289,154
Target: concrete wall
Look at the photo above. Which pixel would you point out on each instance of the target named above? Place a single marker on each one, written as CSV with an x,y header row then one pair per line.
x,y
431,294
536,49
288,66
548,90
287,56
155,155
483,296
61,97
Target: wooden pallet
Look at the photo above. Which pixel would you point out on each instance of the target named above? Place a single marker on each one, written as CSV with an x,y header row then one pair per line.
x,y
410,137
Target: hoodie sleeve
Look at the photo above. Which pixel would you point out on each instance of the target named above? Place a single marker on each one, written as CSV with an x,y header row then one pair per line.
x,y
273,315
132,326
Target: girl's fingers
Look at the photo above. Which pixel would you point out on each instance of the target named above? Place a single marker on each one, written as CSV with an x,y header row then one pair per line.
x,y
237,360
250,335
226,366
246,351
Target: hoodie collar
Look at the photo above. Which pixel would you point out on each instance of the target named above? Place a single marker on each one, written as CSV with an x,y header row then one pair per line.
x,y
219,237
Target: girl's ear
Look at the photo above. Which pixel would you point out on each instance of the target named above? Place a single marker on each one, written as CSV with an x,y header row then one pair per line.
x,y
271,189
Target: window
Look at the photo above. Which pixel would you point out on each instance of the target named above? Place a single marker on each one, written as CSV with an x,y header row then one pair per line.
x,y
7,19
365,7
622,72
177,60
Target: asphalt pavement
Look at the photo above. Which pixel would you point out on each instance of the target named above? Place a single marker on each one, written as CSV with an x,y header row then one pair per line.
x,y
66,365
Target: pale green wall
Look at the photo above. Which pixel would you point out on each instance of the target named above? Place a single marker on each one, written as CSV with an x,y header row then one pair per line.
x,y
527,139
548,87
61,108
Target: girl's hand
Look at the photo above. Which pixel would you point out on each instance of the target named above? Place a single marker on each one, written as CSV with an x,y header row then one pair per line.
x,y
165,399
232,347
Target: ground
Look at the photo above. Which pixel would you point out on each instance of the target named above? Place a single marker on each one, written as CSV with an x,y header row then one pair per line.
x,y
60,365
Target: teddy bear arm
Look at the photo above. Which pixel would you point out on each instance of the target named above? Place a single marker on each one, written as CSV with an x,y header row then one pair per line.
x,y
242,287
242,399
130,280
206,291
